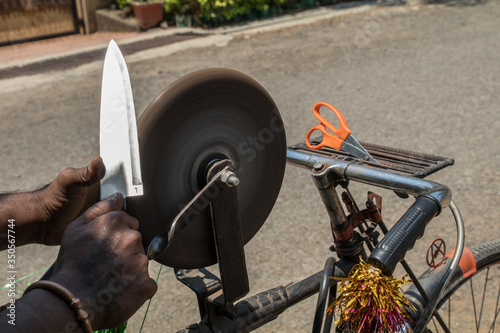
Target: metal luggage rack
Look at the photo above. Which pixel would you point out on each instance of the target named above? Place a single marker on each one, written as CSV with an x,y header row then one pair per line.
x,y
407,162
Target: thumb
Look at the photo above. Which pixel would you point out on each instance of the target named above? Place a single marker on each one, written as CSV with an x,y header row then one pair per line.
x,y
85,176
91,174
113,203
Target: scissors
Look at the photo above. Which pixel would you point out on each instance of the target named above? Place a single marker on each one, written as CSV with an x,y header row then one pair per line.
x,y
341,139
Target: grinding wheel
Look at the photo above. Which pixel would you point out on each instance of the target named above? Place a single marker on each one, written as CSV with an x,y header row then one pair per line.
x,y
203,117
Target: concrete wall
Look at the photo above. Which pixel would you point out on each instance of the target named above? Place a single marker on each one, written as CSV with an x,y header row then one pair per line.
x,y
89,8
110,20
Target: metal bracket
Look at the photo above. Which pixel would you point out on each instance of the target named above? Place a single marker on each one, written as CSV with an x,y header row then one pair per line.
x,y
202,282
228,239
229,244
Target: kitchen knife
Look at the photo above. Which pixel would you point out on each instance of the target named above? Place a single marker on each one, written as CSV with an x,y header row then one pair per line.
x,y
118,143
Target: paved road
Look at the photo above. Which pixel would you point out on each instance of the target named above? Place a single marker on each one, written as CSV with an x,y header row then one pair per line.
x,y
420,77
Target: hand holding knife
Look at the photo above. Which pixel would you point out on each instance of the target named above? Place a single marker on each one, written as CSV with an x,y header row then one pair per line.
x,y
118,142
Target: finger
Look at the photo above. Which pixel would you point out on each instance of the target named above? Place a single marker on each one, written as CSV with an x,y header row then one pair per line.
x,y
132,223
113,203
92,173
92,197
151,287
85,176
132,241
125,220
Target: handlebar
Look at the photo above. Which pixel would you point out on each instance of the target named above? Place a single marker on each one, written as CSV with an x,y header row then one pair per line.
x,y
403,235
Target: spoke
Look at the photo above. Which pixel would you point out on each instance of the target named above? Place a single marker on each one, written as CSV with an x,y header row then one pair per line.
x,y
497,310
449,313
435,326
474,303
484,296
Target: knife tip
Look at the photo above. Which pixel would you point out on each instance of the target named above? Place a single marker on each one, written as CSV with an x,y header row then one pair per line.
x,y
112,44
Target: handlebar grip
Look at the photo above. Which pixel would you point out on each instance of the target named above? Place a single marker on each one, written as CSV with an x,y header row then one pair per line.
x,y
403,235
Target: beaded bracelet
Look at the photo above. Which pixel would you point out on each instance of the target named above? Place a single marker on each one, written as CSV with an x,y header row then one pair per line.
x,y
74,303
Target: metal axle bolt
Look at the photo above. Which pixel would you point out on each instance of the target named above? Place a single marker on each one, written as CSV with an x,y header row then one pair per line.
x,y
318,167
230,179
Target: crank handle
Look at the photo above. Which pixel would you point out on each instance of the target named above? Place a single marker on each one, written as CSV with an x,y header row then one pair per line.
x,y
160,243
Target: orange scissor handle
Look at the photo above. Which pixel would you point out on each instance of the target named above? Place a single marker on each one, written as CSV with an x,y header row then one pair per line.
x,y
329,140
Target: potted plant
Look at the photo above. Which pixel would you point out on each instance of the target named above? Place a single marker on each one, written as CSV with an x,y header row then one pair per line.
x,y
148,14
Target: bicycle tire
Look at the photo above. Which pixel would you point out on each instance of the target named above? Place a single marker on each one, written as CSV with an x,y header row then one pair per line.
x,y
476,264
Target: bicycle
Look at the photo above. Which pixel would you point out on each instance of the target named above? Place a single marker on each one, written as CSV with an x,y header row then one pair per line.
x,y
355,236
330,169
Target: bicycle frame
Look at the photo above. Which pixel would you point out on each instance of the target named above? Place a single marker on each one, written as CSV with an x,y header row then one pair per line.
x,y
327,173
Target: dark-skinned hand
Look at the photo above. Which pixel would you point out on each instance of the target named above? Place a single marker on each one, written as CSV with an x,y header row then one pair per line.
x,y
102,261
67,197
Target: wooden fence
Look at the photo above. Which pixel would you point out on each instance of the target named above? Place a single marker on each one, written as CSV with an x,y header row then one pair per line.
x,y
23,20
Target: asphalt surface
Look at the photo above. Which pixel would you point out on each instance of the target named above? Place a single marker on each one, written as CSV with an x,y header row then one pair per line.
x,y
423,77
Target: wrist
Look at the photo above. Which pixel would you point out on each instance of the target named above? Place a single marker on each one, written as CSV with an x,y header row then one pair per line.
x,y
36,216
67,296
43,311
27,213
83,292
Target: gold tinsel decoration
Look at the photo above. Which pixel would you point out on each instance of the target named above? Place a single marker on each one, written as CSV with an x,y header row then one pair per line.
x,y
370,302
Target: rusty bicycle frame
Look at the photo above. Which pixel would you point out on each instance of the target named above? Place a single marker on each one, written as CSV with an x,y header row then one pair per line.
x,y
223,314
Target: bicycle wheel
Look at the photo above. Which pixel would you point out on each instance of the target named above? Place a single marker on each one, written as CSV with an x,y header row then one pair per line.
x,y
471,301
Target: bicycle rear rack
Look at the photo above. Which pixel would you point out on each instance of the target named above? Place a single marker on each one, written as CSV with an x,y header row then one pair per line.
x,y
406,162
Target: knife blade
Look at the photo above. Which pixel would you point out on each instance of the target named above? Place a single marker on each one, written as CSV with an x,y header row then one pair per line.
x,y
118,143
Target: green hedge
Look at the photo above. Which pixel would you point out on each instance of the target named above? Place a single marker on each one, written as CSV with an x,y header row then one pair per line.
x,y
214,10
219,12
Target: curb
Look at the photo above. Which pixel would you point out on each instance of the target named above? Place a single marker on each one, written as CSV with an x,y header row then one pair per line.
x,y
199,38
307,17
33,65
